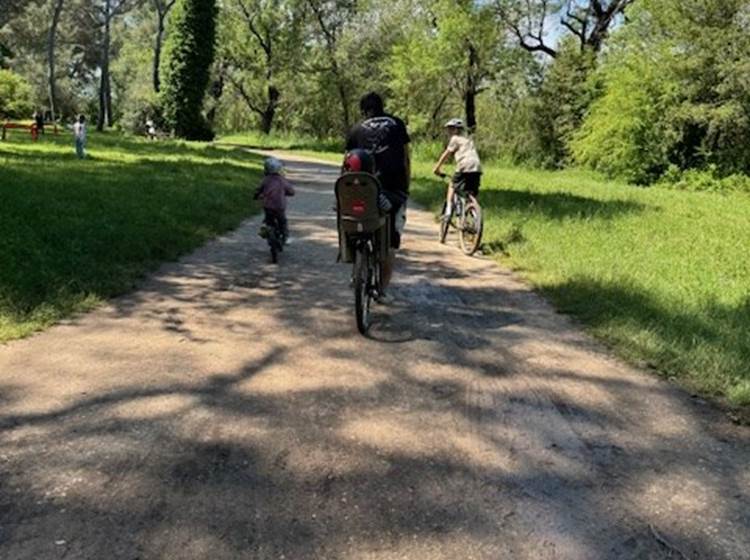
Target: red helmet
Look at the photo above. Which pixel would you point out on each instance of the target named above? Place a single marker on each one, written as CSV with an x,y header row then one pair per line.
x,y
359,161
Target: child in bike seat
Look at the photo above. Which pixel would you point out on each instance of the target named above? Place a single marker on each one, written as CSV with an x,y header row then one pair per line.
x,y
468,167
273,189
361,161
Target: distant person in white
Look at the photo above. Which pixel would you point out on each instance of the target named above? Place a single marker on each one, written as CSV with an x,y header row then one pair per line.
x,y
468,167
79,132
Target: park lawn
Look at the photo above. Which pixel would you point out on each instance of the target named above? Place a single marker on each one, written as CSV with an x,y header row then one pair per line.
x,y
661,276
73,233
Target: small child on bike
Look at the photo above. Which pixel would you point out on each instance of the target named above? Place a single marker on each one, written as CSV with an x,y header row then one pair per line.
x,y
468,166
273,189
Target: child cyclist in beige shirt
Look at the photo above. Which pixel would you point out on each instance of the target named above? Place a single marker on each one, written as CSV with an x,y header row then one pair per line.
x,y
468,166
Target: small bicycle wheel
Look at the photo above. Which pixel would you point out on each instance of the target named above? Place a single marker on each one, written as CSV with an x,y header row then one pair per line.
x,y
273,244
470,231
445,222
362,295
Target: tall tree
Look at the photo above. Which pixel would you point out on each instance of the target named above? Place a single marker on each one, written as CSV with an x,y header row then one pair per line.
x,y
162,8
331,17
100,16
259,43
57,8
447,61
189,54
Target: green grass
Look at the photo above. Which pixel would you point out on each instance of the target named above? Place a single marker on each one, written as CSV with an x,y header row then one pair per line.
x,y
73,233
662,276
283,141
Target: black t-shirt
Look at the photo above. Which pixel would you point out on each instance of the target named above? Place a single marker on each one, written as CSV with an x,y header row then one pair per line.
x,y
386,138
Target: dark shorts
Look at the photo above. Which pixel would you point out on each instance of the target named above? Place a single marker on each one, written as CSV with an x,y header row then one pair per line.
x,y
468,182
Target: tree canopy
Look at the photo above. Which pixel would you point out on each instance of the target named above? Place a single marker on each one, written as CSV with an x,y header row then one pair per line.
x,y
640,89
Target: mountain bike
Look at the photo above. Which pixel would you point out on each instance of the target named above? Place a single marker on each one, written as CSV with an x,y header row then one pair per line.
x,y
363,231
466,217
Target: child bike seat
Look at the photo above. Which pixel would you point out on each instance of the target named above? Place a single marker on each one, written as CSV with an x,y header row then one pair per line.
x,y
357,202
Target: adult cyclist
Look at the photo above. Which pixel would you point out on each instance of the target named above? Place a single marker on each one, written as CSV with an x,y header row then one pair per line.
x,y
386,138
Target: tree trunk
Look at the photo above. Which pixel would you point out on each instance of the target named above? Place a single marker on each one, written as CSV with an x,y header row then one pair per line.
x,y
104,68
470,92
51,43
157,49
217,89
268,114
105,98
344,97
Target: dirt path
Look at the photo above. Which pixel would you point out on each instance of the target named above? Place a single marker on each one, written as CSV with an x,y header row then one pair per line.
x,y
228,409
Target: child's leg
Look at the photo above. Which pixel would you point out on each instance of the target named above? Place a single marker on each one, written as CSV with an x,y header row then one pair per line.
x,y
449,201
283,224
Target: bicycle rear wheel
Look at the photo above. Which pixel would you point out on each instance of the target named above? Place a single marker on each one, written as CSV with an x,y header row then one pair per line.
x,y
470,231
274,245
362,295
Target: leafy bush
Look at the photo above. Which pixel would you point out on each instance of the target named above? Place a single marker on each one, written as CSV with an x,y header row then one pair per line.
x,y
562,102
675,93
624,134
141,110
705,180
15,96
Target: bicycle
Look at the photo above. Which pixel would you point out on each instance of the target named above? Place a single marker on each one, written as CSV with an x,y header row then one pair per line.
x,y
466,217
364,237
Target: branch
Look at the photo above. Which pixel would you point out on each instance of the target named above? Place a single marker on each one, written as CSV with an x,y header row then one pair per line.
x,y
264,44
512,24
245,96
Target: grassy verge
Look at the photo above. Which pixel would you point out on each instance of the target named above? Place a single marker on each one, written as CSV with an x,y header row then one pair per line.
x,y
73,233
283,141
661,276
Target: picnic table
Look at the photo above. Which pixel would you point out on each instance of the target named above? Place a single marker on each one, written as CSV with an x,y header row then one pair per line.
x,y
31,127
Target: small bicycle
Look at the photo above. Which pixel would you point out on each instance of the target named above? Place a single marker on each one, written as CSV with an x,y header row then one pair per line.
x,y
466,217
275,237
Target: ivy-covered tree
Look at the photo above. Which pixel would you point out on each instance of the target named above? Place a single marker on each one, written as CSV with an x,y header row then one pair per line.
x,y
189,55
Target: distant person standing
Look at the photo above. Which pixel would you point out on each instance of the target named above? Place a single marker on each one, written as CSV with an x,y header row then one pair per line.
x,y
39,121
79,132
150,129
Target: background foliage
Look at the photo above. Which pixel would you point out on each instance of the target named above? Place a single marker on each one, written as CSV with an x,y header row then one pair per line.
x,y
643,90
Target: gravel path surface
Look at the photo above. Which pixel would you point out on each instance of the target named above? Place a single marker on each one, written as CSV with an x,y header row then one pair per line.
x,y
228,409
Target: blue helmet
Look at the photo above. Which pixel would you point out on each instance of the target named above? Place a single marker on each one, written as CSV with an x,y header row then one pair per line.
x,y
272,166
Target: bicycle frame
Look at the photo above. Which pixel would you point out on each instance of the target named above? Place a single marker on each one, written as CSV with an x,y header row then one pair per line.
x,y
463,204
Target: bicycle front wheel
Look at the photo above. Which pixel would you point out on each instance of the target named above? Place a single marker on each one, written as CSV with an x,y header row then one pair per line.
x,y
470,233
362,295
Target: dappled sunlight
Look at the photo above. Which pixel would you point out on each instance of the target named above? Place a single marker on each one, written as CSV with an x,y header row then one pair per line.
x,y
412,436
153,407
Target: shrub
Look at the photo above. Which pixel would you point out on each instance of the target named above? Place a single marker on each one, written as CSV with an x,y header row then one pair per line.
x,y
15,96
705,180
141,110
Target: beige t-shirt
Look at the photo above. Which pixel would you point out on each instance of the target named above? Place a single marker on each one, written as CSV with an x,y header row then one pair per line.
x,y
467,158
